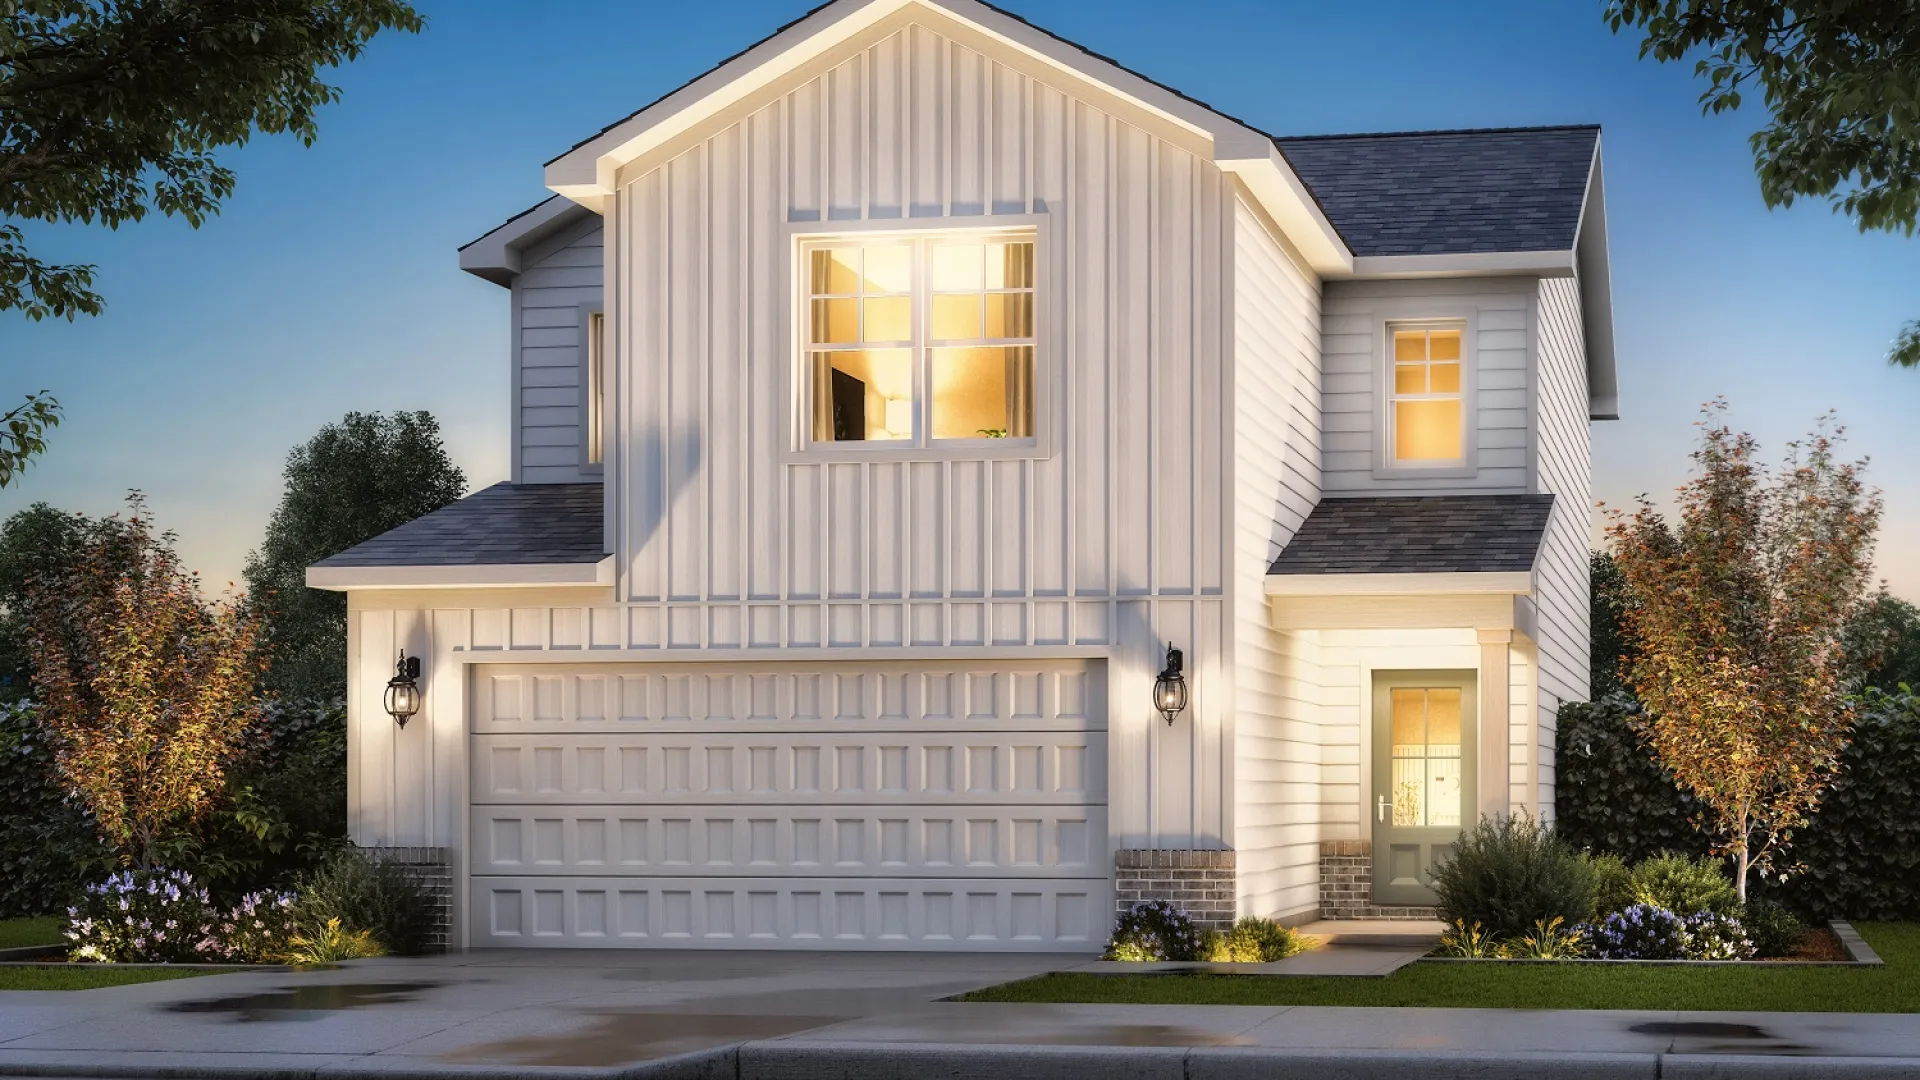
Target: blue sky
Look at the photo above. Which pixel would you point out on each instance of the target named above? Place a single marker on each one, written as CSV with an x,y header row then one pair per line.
x,y
329,282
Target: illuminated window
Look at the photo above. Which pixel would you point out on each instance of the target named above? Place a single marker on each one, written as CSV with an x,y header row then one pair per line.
x,y
1425,410
921,340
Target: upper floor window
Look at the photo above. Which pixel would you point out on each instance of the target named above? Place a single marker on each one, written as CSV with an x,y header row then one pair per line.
x,y
1426,418
921,340
595,397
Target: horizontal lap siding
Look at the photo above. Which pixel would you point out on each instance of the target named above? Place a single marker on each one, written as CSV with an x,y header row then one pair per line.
x,y
1565,465
1115,536
557,278
1276,483
1352,334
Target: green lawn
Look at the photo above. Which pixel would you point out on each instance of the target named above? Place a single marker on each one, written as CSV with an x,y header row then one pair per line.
x,y
15,933
1762,987
93,976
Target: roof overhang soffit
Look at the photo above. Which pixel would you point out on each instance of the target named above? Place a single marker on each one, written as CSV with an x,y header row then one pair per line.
x,y
1596,297
590,172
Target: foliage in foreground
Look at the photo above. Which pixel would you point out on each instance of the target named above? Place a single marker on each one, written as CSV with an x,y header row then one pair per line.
x,y
1739,613
49,848
1155,930
1505,875
1253,940
330,943
145,690
366,892
23,433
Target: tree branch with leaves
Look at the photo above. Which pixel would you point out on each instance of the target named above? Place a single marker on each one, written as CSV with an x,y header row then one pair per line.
x,y
1739,613
23,433
1841,80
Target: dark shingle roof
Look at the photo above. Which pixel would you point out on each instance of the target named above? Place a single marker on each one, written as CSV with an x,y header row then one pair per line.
x,y
1449,192
1420,534
527,523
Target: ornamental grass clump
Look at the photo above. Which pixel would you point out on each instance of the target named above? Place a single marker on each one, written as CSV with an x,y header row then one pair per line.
x,y
1155,930
1508,874
1254,941
1467,941
144,917
1550,939
330,943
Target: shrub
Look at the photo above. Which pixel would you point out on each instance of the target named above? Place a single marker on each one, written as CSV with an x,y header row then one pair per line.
x,y
1252,941
1610,794
49,849
368,893
1467,941
1684,886
1155,930
1508,874
1612,884
1641,932
330,943
1550,939
1774,930
144,916
1711,935
257,930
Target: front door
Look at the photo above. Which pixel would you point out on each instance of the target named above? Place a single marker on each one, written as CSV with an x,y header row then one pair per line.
x,y
1423,778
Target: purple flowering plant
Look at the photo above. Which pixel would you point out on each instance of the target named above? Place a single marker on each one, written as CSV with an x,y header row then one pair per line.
x,y
1650,932
1155,930
165,917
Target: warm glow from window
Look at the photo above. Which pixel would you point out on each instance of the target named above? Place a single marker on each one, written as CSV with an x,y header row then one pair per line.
x,y
921,338
1426,412
596,386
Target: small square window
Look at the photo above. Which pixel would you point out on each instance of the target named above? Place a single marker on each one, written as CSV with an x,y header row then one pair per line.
x,y
921,340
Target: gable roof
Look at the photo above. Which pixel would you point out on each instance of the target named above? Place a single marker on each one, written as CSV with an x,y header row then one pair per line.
x,y
495,255
1418,534
506,524
1451,192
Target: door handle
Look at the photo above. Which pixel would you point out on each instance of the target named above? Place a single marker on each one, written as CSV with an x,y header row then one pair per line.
x,y
1380,808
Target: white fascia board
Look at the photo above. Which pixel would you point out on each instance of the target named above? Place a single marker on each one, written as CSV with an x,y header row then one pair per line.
x,y
1515,583
347,578
588,173
1466,264
1258,163
496,256
810,653
1596,297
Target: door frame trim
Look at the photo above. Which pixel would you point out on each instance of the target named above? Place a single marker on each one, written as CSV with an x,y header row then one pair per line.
x,y
1470,677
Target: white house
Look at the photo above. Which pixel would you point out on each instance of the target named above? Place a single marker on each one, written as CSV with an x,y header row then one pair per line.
x,y
886,401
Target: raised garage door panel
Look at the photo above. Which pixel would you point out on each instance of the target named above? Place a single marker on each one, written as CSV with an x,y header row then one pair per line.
x,y
877,805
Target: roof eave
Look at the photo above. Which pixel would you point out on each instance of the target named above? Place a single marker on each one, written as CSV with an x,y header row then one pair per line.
x,y
495,256
589,173
1464,264
1451,582
475,576
1595,272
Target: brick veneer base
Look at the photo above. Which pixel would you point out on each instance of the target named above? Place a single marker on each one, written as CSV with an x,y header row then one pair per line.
x,y
1199,882
428,866
1346,884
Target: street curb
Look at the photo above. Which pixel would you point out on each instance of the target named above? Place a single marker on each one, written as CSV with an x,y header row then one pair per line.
x,y
1754,1067
1265,1063
778,1060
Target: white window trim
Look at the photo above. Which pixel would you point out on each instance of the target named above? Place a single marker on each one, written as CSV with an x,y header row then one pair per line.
x,y
1385,467
593,422
798,391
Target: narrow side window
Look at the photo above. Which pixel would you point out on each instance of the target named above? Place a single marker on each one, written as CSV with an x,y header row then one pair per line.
x,y
596,389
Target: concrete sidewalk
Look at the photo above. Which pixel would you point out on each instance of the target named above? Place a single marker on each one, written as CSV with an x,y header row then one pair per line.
x,y
773,1016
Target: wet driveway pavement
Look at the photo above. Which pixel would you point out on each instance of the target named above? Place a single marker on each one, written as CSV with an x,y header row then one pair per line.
x,y
843,1014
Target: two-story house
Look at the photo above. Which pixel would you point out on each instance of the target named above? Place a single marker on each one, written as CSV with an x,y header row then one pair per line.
x,y
886,401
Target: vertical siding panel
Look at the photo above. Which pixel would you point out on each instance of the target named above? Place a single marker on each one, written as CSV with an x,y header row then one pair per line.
x,y
687,449
886,127
769,357
926,489
928,129
1009,539
1136,417
846,531
452,630
725,420
845,88
967,529
967,134
1012,138
887,540
805,201
1173,501
803,550
1090,215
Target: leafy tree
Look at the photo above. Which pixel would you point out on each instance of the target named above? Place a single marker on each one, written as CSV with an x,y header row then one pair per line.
x,y
145,690
1841,79
110,109
1883,642
23,433
351,482
1611,647
1740,611
35,543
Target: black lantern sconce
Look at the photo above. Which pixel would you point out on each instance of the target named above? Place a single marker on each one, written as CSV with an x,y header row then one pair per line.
x,y
1170,689
403,690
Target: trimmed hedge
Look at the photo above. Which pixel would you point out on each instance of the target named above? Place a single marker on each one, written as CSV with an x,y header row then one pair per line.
x,y
1859,858
49,850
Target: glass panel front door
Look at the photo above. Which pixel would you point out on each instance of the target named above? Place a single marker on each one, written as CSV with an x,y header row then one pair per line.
x,y
1423,728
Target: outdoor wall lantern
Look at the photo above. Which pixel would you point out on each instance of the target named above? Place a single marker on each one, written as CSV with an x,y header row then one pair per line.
x,y
1170,689
403,690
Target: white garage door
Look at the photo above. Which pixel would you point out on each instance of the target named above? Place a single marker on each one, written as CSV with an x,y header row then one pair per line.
x,y
883,805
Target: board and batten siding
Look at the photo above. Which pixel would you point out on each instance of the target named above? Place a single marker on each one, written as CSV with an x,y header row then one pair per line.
x,y
1562,595
1115,537
1276,420
558,276
1353,337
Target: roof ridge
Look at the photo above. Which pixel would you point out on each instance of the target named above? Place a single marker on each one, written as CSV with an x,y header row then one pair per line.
x,y
1434,131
